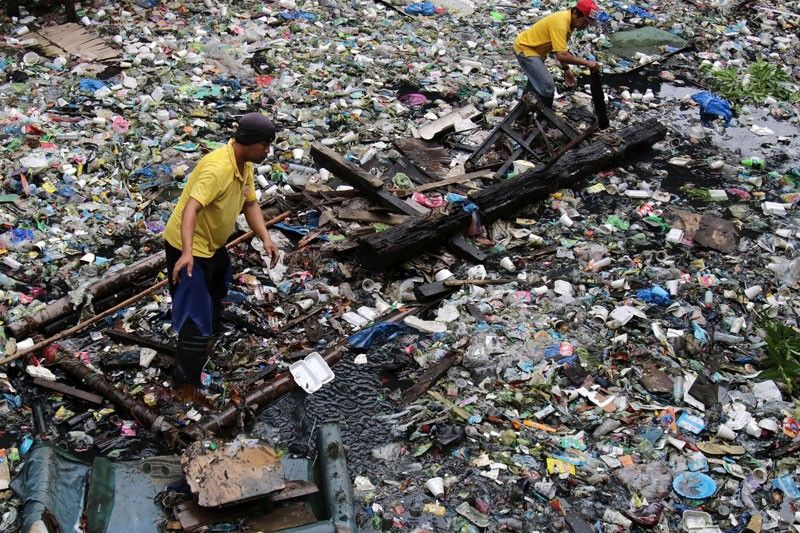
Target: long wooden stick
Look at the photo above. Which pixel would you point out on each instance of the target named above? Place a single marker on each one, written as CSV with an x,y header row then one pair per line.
x,y
133,299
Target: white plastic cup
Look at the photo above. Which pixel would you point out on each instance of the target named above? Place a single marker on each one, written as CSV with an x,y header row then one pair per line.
x,y
618,283
435,486
297,154
565,220
724,432
599,314
752,428
508,264
31,58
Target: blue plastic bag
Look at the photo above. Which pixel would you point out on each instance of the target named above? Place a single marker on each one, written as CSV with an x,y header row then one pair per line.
x,y
90,85
654,295
298,15
712,107
380,333
421,8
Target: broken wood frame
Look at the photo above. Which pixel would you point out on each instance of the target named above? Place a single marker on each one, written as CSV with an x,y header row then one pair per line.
x,y
373,188
410,239
524,124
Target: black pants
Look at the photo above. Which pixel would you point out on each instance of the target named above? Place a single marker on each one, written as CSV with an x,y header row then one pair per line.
x,y
194,348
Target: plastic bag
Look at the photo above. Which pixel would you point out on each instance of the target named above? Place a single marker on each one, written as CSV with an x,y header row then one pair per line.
x,y
421,8
655,295
380,333
713,106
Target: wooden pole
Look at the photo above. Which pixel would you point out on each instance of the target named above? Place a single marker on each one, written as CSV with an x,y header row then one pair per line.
x,y
599,100
122,305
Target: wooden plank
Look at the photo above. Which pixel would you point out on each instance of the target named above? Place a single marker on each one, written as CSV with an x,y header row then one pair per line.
x,y
461,178
295,488
69,391
347,170
599,100
363,215
430,376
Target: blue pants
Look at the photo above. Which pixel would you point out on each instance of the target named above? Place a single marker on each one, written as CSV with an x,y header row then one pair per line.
x,y
540,80
196,308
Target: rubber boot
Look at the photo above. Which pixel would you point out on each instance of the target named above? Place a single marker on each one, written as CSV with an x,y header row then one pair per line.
x,y
190,359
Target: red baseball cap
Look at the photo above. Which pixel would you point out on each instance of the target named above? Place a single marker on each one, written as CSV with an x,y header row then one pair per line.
x,y
588,8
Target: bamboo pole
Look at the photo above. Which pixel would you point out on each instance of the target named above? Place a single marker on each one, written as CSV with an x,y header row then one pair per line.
x,y
133,299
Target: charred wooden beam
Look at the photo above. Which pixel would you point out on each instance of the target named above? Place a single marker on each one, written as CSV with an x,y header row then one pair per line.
x,y
69,391
101,288
408,240
151,420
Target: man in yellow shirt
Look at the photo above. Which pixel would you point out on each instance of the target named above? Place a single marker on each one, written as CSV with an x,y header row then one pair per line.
x,y
550,35
199,268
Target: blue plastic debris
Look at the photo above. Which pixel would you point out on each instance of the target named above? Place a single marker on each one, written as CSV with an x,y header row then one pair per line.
x,y
90,85
712,107
421,8
380,333
788,486
298,15
654,295
694,485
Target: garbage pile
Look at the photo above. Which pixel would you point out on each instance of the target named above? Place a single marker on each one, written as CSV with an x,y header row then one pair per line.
x,y
626,356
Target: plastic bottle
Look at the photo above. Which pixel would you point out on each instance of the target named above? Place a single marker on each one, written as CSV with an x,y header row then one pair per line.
x,y
754,162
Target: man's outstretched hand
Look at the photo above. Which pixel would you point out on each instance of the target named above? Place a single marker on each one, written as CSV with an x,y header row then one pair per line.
x,y
569,79
271,251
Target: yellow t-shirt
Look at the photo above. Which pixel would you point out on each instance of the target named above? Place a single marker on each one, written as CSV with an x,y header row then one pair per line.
x,y
549,34
216,183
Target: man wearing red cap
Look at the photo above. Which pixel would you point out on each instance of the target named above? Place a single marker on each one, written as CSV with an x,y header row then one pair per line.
x,y
551,34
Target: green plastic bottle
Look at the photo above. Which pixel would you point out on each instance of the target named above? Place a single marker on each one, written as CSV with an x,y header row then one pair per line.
x,y
754,162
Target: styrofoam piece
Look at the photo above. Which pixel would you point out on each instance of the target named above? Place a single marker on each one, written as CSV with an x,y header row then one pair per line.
x,y
717,195
311,372
425,326
675,235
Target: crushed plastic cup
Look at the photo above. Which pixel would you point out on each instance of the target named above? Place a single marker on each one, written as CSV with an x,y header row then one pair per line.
x,y
31,58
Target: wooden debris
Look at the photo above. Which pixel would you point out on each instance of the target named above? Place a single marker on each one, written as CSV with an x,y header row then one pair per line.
x,y
365,182
129,338
69,391
462,178
418,235
230,475
73,40
599,100
430,376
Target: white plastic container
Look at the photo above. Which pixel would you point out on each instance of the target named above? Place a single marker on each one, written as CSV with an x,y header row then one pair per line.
x,y
311,373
